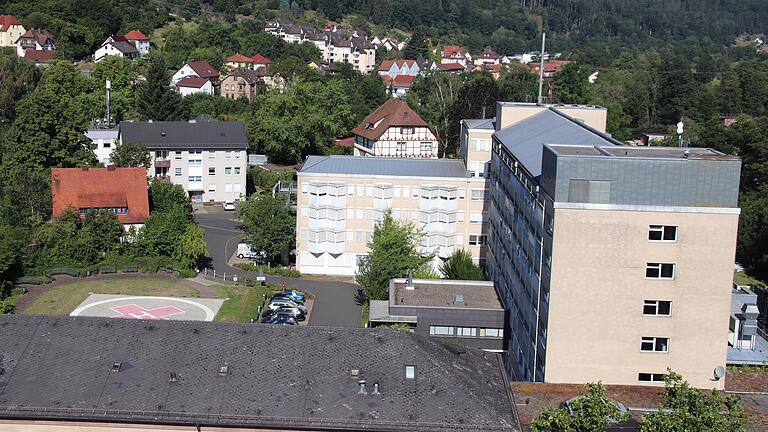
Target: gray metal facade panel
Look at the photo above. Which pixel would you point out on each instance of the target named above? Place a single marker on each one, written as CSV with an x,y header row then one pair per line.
x,y
658,182
403,167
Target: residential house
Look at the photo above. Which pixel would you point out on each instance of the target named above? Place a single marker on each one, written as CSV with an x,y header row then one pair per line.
x,y
117,46
242,83
34,40
387,43
453,68
399,86
468,313
139,40
493,69
192,85
661,225
239,61
104,138
117,191
341,198
330,27
395,130
11,30
198,68
321,66
488,57
453,54
74,373
206,157
394,68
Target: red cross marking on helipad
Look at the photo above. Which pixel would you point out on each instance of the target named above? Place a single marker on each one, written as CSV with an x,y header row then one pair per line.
x,y
133,311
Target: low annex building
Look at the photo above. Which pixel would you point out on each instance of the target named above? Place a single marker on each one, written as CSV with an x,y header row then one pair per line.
x,y
111,190
395,130
113,374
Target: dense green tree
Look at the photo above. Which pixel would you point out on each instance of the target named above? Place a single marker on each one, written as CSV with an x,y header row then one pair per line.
x,y
269,223
518,85
432,97
162,231
25,198
461,267
166,196
476,99
690,409
72,241
190,247
155,100
570,84
392,252
130,155
18,78
417,46
123,75
591,412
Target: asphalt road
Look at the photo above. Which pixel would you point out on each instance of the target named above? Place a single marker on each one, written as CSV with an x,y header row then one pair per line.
x,y
335,302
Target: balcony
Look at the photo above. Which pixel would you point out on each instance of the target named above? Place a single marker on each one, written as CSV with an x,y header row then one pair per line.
x,y
162,163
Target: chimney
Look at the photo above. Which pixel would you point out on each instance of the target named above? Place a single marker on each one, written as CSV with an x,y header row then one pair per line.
x,y
409,281
149,121
376,389
362,387
111,167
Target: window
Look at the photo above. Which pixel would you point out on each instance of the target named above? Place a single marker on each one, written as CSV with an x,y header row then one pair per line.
x,y
650,377
481,144
654,344
195,152
657,307
659,271
406,130
401,146
195,179
477,194
466,331
107,144
228,170
211,154
410,372
478,217
228,187
667,233
177,171
492,332
440,331
237,154
177,155
228,154
237,170
478,240
426,147
212,171
211,187
195,162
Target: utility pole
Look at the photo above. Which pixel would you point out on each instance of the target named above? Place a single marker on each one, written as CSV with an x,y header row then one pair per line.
x,y
109,121
541,68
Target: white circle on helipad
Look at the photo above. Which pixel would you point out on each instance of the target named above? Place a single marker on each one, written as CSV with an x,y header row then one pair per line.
x,y
148,307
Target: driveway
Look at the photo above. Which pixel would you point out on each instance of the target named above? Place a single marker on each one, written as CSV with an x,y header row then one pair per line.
x,y
335,302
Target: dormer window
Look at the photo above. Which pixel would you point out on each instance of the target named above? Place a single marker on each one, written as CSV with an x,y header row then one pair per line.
x,y
369,126
406,130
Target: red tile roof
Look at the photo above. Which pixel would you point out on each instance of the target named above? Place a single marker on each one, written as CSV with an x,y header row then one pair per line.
x,y
260,59
6,21
453,50
40,35
451,67
102,188
239,58
393,112
203,69
38,56
346,142
118,38
400,81
192,81
136,35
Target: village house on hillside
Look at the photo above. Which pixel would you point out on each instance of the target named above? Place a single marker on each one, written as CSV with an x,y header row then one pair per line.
x,y
242,83
198,68
35,40
239,61
117,46
11,30
395,130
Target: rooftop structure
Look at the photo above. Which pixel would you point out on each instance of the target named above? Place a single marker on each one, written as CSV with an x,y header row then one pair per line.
x,y
111,190
444,293
747,336
76,369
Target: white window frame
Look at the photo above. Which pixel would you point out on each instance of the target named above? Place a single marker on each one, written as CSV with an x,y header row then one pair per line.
x,y
656,304
653,377
435,330
656,343
497,333
662,229
660,267
177,172
466,331
227,170
212,187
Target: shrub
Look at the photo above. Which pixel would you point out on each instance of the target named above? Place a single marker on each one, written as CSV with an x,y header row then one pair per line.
x,y
275,271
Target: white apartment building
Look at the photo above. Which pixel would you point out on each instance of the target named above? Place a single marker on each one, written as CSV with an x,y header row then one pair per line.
x,y
104,139
208,158
341,198
395,130
11,30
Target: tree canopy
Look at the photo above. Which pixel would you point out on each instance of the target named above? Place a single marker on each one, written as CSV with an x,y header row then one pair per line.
x,y
269,223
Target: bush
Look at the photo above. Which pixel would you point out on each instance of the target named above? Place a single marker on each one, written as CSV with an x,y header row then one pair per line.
x,y
275,271
33,280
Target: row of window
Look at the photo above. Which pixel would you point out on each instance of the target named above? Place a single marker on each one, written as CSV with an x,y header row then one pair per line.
x,y
103,210
424,147
451,331
228,154
388,191
228,187
212,171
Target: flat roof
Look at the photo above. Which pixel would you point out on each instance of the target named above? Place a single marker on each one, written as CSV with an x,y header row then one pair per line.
x,y
384,166
283,377
442,294
569,106
489,123
692,153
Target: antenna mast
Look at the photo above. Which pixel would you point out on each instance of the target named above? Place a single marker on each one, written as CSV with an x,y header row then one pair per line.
x,y
541,67
109,120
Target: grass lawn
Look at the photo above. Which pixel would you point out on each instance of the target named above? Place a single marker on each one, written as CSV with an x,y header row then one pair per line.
x,y
242,302
64,299
741,278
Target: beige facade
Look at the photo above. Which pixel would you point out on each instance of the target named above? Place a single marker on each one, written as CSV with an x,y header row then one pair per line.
x,y
337,214
362,59
602,295
10,32
208,175
475,145
400,141
510,113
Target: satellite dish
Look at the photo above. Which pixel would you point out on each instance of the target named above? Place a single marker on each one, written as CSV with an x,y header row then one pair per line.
x,y
680,126
719,373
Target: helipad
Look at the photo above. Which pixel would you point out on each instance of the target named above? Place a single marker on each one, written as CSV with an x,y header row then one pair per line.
x,y
149,308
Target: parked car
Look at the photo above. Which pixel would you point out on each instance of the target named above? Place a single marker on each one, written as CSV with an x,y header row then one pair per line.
x,y
228,205
293,312
244,251
286,297
284,320
280,303
291,294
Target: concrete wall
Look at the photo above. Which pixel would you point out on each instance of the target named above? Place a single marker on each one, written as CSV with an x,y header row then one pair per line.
x,y
457,317
509,113
598,286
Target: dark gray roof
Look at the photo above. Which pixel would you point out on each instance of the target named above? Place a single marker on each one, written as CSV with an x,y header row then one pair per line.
x,y
183,135
489,123
281,377
384,166
526,139
125,47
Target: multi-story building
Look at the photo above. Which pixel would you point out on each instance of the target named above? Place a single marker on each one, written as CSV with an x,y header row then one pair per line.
x,y
139,40
395,68
242,83
104,138
453,54
198,68
395,130
341,198
611,260
11,30
34,40
208,158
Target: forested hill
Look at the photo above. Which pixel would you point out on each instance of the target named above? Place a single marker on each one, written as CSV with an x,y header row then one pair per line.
x,y
593,29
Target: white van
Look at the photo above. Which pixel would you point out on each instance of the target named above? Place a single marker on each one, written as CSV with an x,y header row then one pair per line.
x,y
244,251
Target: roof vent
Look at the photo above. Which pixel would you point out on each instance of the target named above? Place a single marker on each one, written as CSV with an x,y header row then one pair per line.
x,y
362,390
355,373
458,299
149,121
116,366
162,133
224,370
376,389
174,378
686,153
